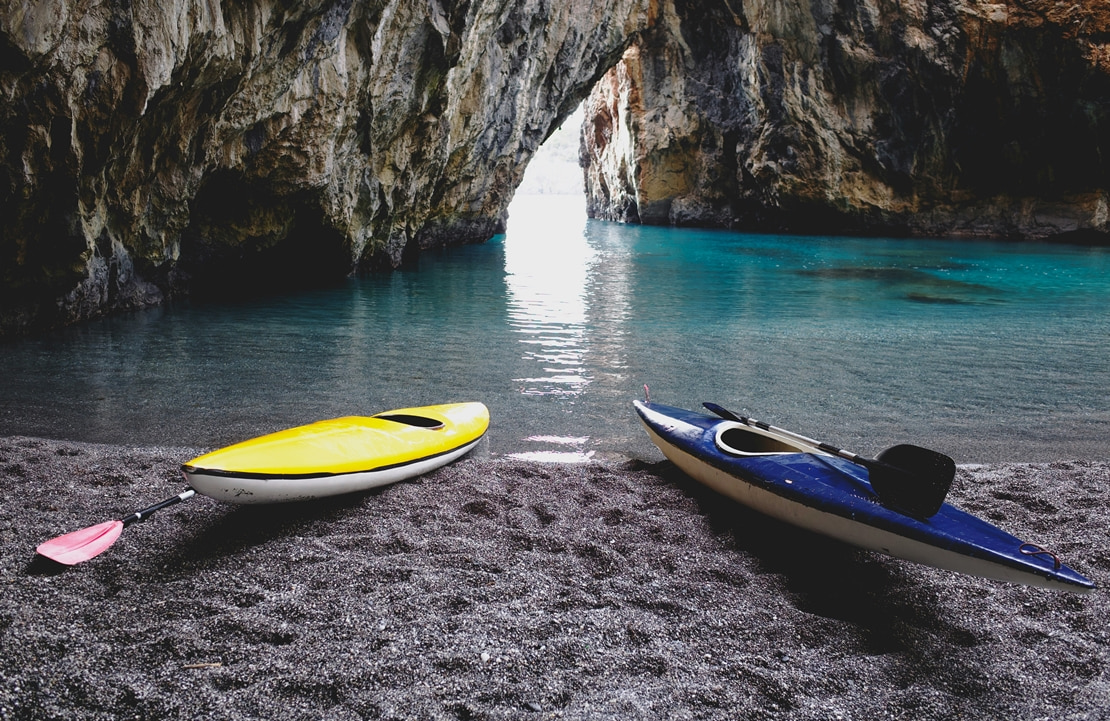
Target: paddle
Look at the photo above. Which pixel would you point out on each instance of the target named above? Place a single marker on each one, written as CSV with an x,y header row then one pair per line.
x,y
909,479
72,548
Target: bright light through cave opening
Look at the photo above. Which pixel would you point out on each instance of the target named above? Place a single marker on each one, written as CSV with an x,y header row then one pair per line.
x,y
548,265
554,169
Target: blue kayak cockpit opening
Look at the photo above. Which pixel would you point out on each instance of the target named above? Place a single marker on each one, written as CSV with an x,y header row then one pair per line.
x,y
411,420
744,441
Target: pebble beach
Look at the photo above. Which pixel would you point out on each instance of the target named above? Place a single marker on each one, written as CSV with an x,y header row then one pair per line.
x,y
502,589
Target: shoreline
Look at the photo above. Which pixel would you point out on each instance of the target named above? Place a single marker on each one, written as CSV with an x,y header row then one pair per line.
x,y
501,589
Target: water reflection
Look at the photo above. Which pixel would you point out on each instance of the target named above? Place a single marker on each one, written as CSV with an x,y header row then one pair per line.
x,y
864,342
576,453
547,266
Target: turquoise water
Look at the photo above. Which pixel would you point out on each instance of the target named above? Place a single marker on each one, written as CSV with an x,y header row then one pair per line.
x,y
986,351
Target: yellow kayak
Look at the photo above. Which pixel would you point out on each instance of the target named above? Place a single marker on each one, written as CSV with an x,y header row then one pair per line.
x,y
341,455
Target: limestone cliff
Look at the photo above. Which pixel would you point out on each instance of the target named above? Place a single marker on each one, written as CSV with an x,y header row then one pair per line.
x,y
927,117
155,148
152,147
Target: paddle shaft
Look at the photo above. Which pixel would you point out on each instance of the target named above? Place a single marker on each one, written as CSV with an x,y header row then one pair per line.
x,y
729,415
87,543
911,479
141,515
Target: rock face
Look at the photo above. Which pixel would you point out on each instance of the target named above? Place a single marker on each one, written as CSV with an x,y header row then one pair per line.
x,y
149,149
914,117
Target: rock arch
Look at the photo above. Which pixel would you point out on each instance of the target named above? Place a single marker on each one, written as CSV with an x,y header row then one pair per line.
x,y
389,127
131,128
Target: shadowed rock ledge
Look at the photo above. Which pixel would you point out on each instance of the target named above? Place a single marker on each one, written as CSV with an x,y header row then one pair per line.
x,y
155,149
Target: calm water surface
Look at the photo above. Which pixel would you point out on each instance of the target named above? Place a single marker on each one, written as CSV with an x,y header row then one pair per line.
x,y
986,351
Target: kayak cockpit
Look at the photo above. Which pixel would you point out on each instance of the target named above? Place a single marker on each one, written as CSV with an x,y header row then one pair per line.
x,y
741,440
413,420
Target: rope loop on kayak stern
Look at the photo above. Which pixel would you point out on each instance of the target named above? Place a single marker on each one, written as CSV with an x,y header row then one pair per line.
x,y
1032,549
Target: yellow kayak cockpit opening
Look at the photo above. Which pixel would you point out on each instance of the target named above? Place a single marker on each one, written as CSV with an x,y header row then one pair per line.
x,y
431,424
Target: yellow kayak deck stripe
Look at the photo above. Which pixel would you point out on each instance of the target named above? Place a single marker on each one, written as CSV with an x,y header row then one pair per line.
x,y
265,475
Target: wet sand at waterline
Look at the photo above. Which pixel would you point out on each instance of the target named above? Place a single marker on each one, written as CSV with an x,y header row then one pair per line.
x,y
504,589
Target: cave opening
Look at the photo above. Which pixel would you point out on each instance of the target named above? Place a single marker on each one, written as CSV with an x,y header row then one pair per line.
x,y
554,170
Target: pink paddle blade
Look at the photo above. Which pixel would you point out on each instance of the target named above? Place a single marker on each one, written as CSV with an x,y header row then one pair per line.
x,y
81,545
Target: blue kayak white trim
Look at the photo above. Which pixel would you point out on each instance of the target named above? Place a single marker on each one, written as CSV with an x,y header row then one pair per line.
x,y
787,507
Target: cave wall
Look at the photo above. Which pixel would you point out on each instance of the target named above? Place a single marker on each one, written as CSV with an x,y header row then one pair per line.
x,y
917,117
152,148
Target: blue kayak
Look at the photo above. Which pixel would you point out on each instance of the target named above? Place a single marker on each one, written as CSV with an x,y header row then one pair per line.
x,y
774,472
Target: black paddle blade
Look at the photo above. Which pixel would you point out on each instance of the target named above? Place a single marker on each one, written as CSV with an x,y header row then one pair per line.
x,y
912,479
